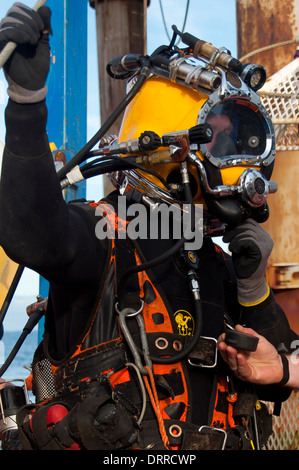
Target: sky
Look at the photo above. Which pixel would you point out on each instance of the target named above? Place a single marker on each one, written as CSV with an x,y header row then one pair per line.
x,y
213,21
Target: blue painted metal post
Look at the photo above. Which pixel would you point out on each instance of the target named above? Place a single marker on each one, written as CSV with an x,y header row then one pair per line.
x,y
67,83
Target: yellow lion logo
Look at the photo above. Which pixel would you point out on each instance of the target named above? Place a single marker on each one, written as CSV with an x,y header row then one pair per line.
x,y
185,322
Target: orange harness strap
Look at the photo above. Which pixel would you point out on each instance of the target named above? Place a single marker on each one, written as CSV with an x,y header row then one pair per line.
x,y
223,412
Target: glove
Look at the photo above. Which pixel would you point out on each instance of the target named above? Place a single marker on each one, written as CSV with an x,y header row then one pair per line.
x,y
251,247
27,69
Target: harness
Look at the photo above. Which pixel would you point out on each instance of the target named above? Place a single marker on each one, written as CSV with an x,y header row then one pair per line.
x,y
131,391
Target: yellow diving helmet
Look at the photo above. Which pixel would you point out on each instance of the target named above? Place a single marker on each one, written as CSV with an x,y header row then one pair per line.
x,y
230,172
190,114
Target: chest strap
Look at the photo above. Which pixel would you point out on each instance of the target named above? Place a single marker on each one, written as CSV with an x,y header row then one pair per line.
x,y
91,364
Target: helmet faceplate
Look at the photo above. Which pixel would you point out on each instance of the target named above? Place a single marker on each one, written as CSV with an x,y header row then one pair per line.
x,y
236,165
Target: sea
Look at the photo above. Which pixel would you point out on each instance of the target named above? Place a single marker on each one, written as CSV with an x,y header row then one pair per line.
x,y
13,324
19,368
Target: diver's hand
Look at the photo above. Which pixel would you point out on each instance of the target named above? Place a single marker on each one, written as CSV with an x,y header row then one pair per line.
x,y
27,69
263,366
251,247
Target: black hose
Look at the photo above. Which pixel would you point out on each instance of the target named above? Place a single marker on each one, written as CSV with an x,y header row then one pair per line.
x,y
10,293
103,165
31,323
147,265
81,155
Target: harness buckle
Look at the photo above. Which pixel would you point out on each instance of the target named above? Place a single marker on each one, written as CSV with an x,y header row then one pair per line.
x,y
204,438
211,430
205,353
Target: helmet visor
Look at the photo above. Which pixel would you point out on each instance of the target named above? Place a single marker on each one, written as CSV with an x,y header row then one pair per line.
x,y
241,134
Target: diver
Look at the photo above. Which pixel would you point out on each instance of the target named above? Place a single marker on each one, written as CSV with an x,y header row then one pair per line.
x,y
121,374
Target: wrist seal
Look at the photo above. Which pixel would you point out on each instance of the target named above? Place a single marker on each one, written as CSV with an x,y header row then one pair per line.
x,y
286,370
23,96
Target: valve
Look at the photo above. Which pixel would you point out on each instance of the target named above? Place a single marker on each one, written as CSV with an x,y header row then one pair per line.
x,y
149,140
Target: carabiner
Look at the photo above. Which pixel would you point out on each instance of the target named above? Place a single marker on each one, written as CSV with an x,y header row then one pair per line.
x,y
130,312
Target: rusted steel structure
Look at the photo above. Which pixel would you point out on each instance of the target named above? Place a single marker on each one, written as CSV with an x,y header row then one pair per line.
x,y
262,23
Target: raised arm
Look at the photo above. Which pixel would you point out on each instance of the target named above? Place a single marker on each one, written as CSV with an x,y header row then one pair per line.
x,y
38,229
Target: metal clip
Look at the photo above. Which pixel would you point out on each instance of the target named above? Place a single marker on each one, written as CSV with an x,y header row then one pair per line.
x,y
130,312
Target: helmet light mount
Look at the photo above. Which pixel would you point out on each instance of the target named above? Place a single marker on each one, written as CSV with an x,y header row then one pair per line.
x,y
254,75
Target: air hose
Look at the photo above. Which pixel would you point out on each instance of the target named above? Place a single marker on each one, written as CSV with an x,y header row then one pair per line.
x,y
31,323
10,293
83,153
107,165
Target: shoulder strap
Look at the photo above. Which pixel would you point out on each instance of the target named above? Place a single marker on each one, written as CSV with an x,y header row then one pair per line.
x,y
127,286
125,259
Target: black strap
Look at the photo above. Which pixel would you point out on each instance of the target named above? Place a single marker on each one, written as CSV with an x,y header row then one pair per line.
x,y
129,295
286,370
125,259
91,363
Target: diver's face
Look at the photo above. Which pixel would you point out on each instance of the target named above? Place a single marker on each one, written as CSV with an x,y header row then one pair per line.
x,y
219,124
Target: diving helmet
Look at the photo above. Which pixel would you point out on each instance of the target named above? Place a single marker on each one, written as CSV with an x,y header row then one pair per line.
x,y
189,114
230,162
